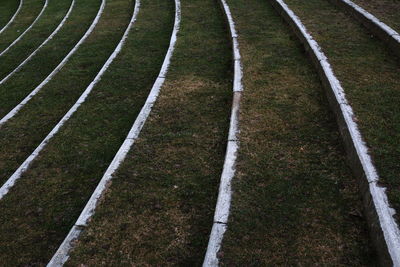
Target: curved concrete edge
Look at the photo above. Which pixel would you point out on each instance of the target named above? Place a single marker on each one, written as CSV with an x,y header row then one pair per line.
x,y
13,17
214,244
222,208
383,228
62,254
30,27
377,27
25,165
44,43
18,107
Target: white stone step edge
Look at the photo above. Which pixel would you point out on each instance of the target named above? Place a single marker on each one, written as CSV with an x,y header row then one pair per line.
x,y
222,209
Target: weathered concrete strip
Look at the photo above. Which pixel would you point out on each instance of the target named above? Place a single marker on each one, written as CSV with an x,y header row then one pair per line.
x,y
30,27
383,227
44,43
21,2
17,108
222,208
62,254
377,27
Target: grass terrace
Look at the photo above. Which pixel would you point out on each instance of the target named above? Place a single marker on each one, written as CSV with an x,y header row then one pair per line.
x,y
16,88
295,202
45,110
52,16
67,171
370,75
7,11
28,13
160,205
385,10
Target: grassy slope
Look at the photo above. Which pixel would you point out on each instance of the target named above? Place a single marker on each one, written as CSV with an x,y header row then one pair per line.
x,y
385,10
370,75
40,66
50,19
39,212
20,136
7,10
28,13
295,202
160,206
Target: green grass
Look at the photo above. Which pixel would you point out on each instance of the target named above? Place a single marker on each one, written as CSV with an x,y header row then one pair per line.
x,y
49,20
28,13
43,63
159,208
23,133
385,10
370,75
7,10
295,201
38,213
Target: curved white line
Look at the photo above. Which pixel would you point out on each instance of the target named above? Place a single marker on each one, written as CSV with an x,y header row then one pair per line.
x,y
13,17
44,43
380,201
387,29
22,35
221,214
62,254
16,109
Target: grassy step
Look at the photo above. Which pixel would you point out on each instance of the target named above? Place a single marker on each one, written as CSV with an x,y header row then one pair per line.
x,y
23,133
50,19
7,10
159,208
295,202
385,10
48,57
58,185
28,13
370,75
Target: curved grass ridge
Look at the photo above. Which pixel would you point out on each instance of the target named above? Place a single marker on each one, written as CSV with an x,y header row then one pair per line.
x,y
17,108
30,27
13,17
225,192
384,229
379,28
62,254
44,43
